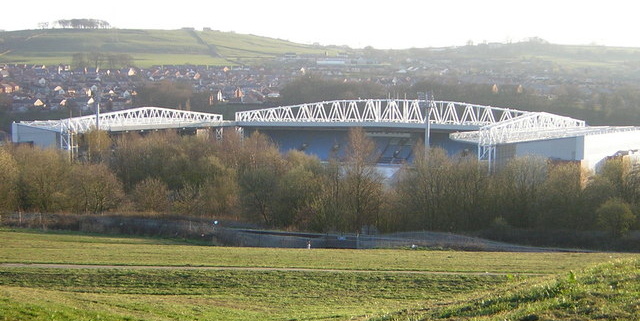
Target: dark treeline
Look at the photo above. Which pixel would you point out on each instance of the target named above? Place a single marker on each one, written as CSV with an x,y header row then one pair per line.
x,y
83,23
616,105
250,180
101,60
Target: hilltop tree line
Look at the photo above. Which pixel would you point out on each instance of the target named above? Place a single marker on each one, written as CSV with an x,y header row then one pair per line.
x,y
248,179
79,24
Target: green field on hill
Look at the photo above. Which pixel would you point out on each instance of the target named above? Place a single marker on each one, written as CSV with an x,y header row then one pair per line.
x,y
146,47
156,279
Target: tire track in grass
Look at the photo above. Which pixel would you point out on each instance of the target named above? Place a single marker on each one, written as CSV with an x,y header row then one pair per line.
x,y
240,268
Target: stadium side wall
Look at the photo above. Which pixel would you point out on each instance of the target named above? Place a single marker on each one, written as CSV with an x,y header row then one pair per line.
x,y
590,150
566,149
39,137
599,147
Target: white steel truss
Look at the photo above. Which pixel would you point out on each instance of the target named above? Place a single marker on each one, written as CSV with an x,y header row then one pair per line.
x,y
527,127
142,118
131,119
382,111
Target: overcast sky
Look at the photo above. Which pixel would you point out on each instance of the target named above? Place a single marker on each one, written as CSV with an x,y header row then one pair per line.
x,y
394,24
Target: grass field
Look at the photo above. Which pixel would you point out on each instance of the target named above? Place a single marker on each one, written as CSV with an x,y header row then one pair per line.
x,y
155,279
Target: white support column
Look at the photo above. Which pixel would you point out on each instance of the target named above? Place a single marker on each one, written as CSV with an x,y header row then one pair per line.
x,y
240,132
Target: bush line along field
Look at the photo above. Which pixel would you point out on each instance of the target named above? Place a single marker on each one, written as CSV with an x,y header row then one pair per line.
x,y
335,285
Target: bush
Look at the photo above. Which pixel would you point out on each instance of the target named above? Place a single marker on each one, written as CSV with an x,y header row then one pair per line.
x,y
615,216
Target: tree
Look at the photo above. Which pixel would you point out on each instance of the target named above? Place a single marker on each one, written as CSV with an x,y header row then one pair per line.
x,y
597,191
83,23
5,103
44,179
258,191
219,190
164,94
331,211
363,189
260,168
151,195
297,190
615,170
188,200
561,203
96,59
520,183
631,185
9,176
469,194
79,60
427,192
160,154
95,188
98,145
615,216
311,88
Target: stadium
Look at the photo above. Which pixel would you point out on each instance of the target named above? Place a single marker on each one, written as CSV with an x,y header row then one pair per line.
x,y
493,134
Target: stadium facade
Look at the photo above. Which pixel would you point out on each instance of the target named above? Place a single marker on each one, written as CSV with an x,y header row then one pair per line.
x,y
494,134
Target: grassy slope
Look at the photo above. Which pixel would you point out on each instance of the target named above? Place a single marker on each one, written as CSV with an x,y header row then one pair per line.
x,y
147,47
608,291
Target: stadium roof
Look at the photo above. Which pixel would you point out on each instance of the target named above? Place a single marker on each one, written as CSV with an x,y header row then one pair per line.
x,y
142,118
527,127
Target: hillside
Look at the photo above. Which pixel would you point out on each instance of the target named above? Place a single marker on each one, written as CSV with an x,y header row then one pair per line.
x,y
147,47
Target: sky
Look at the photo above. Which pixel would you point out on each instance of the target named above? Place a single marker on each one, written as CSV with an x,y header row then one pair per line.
x,y
396,24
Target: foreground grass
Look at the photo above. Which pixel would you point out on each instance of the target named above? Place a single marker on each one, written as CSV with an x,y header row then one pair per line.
x,y
219,295
335,285
609,291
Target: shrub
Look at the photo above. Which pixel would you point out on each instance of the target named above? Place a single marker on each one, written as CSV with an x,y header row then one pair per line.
x,y
615,216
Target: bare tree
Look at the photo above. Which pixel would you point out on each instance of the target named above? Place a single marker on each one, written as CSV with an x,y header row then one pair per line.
x,y
424,191
98,145
363,189
151,195
520,184
260,167
44,179
94,188
561,201
298,189
219,190
9,175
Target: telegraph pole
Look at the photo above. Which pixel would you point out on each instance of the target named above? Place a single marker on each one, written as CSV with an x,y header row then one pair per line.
x,y
95,94
98,110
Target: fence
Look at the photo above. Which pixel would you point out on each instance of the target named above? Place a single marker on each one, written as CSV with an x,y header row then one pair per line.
x,y
232,234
